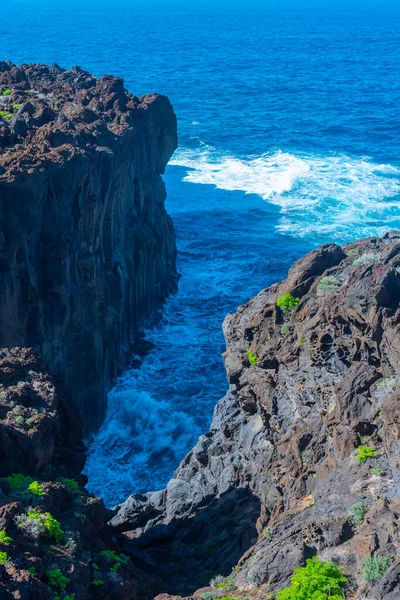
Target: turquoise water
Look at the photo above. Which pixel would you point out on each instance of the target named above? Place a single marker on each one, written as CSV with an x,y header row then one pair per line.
x,y
289,138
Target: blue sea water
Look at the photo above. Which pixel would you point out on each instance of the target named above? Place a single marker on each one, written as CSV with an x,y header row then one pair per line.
x,y
289,132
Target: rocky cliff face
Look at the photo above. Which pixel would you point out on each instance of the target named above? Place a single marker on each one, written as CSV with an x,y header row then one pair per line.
x,y
303,455
54,537
87,250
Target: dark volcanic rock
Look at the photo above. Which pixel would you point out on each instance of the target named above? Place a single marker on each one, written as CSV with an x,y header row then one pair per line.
x,y
87,250
40,461
275,478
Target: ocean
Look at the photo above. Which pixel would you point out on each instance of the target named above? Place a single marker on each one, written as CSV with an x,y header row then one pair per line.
x,y
289,132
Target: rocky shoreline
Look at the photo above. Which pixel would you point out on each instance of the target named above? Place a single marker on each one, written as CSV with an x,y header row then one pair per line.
x,y
302,458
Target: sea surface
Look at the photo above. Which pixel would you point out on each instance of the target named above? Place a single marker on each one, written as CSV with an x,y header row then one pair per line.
x,y
289,126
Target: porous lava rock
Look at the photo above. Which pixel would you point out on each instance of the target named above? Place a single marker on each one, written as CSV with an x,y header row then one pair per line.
x,y
303,457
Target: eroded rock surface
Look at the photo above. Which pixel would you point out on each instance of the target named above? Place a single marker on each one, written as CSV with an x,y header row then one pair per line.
x,y
87,250
40,486
278,478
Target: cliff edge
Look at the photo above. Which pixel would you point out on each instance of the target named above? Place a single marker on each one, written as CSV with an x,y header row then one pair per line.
x,y
87,250
302,458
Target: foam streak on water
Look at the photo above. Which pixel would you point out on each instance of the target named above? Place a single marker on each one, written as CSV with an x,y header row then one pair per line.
x,y
322,195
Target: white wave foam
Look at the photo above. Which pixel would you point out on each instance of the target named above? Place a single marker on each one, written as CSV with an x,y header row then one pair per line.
x,y
139,440
325,195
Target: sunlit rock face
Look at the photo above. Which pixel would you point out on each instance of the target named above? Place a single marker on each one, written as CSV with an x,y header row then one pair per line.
x,y
87,250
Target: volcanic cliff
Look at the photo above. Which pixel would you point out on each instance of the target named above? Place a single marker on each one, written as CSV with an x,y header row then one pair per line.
x,y
87,250
302,458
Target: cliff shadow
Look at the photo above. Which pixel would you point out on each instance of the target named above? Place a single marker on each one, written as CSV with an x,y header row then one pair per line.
x,y
188,552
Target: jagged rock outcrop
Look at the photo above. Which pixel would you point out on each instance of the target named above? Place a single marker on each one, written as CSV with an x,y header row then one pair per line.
x,y
54,537
87,250
303,454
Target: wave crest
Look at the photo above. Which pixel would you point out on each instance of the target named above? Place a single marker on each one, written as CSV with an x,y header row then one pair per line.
x,y
316,194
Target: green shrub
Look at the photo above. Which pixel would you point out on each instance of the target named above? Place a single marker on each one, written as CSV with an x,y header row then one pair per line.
x,y
287,303
112,557
253,358
4,538
367,258
386,382
57,579
97,582
7,92
377,471
6,115
285,329
357,513
35,523
267,532
16,481
301,341
318,580
16,106
375,567
327,284
365,452
3,558
71,485
32,571
36,489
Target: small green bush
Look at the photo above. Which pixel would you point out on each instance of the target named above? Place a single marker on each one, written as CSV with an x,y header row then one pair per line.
x,y
71,485
36,489
285,329
386,382
35,523
7,92
357,513
318,580
32,571
377,471
327,285
16,481
301,341
253,358
3,558
4,538
97,582
375,567
16,106
112,557
367,258
6,115
365,452
57,579
267,532
287,303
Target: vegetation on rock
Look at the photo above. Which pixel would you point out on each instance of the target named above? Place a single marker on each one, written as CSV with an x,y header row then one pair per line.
x,y
287,303
318,580
357,513
365,452
253,358
375,567
327,285
57,579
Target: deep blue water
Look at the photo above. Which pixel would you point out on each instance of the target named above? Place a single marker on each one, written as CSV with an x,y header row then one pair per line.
x,y
289,137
